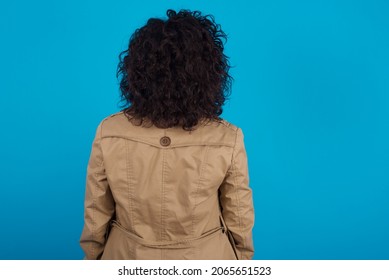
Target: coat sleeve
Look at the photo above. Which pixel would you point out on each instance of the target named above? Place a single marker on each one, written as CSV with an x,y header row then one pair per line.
x,y
236,200
99,205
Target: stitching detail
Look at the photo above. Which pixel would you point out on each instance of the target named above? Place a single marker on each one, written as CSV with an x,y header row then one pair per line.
x,y
163,229
129,185
236,193
171,145
229,125
163,196
204,162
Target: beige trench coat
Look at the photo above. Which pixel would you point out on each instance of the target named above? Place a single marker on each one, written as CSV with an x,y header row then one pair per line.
x,y
155,193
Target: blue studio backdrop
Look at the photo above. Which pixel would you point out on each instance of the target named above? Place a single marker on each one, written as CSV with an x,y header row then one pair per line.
x,y
311,94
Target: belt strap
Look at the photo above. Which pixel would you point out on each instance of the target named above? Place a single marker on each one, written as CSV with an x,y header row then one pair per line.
x,y
181,243
230,237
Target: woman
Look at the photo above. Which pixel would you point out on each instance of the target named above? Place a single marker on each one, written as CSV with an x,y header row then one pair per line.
x,y
167,177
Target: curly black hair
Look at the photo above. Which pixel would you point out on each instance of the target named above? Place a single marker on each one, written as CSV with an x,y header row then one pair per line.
x,y
174,72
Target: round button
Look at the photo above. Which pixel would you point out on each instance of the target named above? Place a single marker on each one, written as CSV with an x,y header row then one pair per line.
x,y
165,141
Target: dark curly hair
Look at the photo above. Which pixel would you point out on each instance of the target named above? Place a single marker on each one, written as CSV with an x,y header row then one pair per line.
x,y
174,72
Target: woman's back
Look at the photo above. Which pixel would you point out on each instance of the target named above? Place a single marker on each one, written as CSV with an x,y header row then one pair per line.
x,y
162,188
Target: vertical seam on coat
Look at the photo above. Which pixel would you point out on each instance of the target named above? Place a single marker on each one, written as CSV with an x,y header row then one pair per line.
x,y
163,200
163,195
204,161
129,185
236,193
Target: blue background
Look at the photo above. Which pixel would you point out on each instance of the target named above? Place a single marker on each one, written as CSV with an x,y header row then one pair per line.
x,y
311,93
